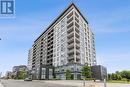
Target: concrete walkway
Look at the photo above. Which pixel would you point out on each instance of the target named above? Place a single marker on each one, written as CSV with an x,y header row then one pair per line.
x,y
1,85
79,83
76,83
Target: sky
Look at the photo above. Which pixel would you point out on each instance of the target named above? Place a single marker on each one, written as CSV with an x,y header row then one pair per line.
x,y
108,19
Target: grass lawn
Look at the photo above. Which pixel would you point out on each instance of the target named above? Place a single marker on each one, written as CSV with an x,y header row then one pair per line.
x,y
117,81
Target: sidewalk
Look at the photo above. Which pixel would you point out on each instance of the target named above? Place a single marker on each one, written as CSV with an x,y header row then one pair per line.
x,y
74,83
1,85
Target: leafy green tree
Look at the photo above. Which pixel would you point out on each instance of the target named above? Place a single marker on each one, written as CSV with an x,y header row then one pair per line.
x,y
109,77
119,77
114,76
22,74
86,72
68,74
125,74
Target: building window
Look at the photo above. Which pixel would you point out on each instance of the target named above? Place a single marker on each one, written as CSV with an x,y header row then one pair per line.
x,y
62,24
70,25
72,69
76,15
76,20
41,42
70,15
76,25
43,76
71,19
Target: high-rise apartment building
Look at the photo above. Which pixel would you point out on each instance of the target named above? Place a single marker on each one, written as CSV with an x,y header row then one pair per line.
x,y
67,44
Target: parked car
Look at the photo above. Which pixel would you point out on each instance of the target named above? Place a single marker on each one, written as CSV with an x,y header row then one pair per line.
x,y
27,79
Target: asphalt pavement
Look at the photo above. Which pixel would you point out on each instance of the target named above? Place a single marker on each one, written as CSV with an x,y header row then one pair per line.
x,y
21,83
56,83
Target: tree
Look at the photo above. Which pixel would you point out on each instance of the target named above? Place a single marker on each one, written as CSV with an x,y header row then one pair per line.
x,y
109,77
114,76
119,77
22,74
86,72
68,74
125,74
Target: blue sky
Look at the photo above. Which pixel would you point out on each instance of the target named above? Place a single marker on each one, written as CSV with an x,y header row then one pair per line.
x,y
108,19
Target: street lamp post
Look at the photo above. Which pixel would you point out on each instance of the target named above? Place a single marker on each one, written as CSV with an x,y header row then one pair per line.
x,y
0,72
105,83
84,82
0,76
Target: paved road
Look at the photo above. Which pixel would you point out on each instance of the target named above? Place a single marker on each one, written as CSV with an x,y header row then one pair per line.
x,y
56,83
15,83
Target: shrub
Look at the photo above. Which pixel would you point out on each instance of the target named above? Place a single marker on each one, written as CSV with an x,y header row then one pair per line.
x,y
124,79
89,78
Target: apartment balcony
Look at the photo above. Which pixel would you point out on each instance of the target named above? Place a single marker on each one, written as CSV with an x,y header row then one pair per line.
x,y
33,66
71,29
34,57
76,24
50,32
70,52
76,15
77,46
77,40
77,51
70,15
50,52
48,59
50,44
50,47
78,57
49,63
70,20
76,19
71,35
71,40
33,63
50,38
70,25
77,35
77,30
34,54
70,57
70,46
33,60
